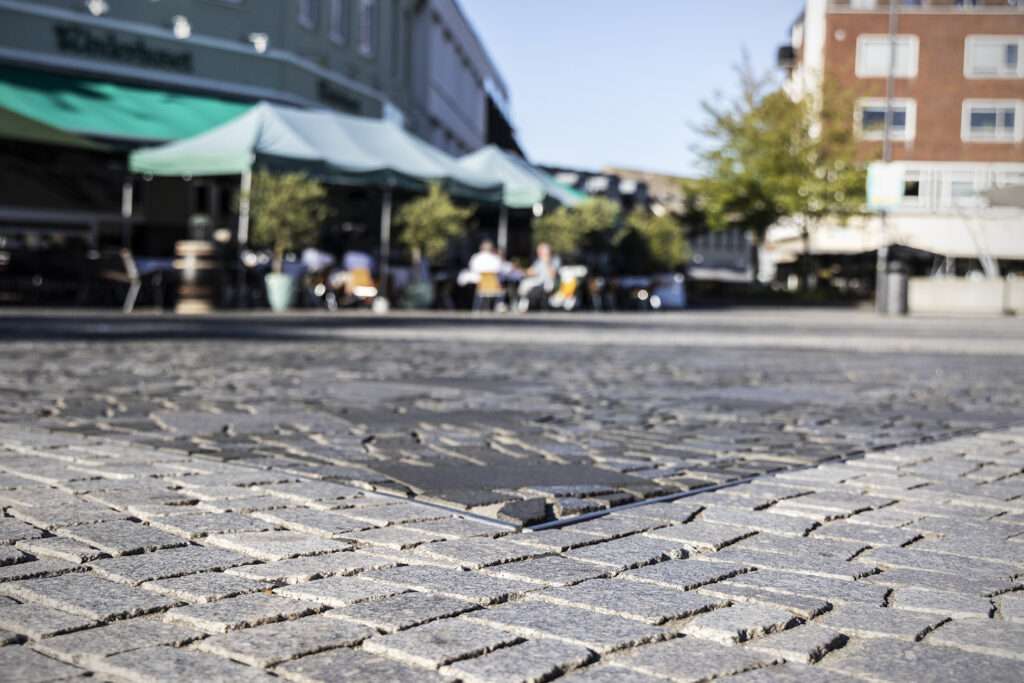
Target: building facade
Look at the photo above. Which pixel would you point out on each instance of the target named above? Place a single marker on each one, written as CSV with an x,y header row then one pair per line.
x,y
418,61
956,124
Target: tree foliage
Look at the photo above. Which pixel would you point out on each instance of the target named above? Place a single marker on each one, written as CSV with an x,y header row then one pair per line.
x,y
567,229
663,237
772,157
430,223
286,211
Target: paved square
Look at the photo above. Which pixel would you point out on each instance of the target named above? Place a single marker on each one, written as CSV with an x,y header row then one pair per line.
x,y
238,496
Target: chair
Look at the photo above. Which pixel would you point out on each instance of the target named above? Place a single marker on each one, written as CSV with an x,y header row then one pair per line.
x,y
129,275
489,287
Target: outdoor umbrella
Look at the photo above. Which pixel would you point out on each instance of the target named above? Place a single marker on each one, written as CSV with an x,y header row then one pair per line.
x,y
524,185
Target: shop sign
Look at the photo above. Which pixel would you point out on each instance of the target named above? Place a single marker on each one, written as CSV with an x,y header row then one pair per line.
x,y
108,45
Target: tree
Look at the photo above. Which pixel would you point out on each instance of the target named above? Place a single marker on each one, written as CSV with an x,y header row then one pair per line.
x,y
287,210
430,223
567,229
774,157
662,236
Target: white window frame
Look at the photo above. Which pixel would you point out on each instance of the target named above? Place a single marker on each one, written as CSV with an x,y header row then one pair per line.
x,y
913,43
906,103
309,11
1016,135
341,21
369,20
972,40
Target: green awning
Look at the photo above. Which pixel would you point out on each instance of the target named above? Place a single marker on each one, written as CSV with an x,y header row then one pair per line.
x,y
110,110
337,148
525,185
14,126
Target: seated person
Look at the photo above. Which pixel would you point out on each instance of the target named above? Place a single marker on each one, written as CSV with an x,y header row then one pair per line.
x,y
540,278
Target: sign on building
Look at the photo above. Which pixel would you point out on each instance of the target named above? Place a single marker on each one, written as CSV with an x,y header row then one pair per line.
x,y
886,185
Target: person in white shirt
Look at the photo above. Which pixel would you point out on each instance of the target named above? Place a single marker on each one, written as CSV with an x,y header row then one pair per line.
x,y
487,260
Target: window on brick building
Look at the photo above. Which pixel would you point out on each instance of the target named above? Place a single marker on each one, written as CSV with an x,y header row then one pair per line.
x,y
993,121
873,56
869,116
994,57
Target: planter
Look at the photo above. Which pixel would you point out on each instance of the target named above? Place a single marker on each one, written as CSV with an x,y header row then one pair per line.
x,y
280,291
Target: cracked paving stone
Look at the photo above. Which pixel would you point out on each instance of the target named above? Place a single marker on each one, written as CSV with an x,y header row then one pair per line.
x,y
36,621
9,555
548,571
951,526
806,643
984,636
271,546
834,501
338,591
240,612
383,515
402,611
267,645
954,605
833,590
814,566
19,663
1012,607
60,548
163,663
324,523
759,520
440,642
645,602
907,558
898,661
472,586
474,553
553,540
394,537
164,564
630,552
12,530
610,673
794,672
980,548
685,574
112,639
702,535
534,660
457,527
299,569
739,623
679,512
9,638
203,587
692,659
864,533
121,537
880,622
193,526
88,596
800,605
805,547
613,526
600,632
888,518
324,667
66,516
939,581
42,567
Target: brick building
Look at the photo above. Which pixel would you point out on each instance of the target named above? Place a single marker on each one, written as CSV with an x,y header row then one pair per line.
x,y
957,123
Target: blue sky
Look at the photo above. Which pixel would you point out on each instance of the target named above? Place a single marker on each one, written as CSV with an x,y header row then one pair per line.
x,y
619,82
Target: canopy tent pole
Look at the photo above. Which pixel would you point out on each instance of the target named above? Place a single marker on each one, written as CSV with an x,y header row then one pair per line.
x,y
127,201
503,229
243,232
385,242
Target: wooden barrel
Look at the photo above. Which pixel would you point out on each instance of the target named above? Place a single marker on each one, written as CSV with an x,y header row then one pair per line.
x,y
198,276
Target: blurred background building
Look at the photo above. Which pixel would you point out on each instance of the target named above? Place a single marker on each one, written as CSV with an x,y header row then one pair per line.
x,y
128,73
957,126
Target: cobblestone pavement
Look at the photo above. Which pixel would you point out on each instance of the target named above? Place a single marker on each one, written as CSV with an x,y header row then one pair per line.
x,y
310,501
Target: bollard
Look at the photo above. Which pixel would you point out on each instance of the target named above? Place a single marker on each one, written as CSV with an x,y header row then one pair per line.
x,y
896,289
